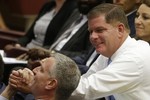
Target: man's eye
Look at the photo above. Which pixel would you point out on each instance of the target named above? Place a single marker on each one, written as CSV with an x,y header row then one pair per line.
x,y
100,30
146,17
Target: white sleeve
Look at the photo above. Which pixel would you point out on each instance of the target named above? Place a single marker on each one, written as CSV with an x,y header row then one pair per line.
x,y
104,82
3,98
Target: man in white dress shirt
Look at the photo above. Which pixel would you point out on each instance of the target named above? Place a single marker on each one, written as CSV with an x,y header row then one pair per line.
x,y
127,76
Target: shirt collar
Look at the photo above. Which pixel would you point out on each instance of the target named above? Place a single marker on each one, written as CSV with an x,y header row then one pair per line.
x,y
123,47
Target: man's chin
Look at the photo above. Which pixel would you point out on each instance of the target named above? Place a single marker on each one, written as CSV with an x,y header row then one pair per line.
x,y
98,51
98,48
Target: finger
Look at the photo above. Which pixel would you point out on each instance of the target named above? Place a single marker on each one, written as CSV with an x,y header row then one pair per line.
x,y
20,71
12,83
14,77
29,71
21,56
14,80
27,75
14,73
26,57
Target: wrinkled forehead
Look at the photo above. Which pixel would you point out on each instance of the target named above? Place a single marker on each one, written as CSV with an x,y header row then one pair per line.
x,y
48,60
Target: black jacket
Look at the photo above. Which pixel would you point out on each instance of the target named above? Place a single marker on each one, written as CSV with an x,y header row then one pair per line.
x,y
55,25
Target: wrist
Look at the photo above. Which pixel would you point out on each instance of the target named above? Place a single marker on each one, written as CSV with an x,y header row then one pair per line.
x,y
8,92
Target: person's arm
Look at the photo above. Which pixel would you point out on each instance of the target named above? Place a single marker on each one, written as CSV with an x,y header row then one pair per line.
x,y
21,79
7,93
101,77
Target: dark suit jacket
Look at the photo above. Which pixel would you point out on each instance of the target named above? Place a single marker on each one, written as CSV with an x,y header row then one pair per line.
x,y
79,43
82,60
55,25
131,22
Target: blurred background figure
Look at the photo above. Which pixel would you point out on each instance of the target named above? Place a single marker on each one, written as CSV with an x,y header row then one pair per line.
x,y
142,21
130,8
73,38
45,27
78,49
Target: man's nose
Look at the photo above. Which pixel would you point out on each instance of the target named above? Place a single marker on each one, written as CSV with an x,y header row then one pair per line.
x,y
93,35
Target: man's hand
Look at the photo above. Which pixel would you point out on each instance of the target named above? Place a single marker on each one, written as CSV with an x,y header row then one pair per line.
x,y
24,56
21,79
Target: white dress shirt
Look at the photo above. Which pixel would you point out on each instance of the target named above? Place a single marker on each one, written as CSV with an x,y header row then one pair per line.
x,y
3,98
126,77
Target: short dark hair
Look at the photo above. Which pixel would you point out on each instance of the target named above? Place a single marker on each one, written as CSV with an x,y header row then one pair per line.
x,y
112,13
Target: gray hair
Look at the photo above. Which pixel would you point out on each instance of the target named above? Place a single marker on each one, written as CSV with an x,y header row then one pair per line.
x,y
67,74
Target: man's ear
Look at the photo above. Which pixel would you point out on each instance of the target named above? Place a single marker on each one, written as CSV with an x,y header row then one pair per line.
x,y
121,29
51,84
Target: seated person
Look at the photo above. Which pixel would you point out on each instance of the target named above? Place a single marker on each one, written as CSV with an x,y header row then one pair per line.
x,y
74,46
130,8
54,78
142,21
73,38
84,61
45,27
129,59
76,42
